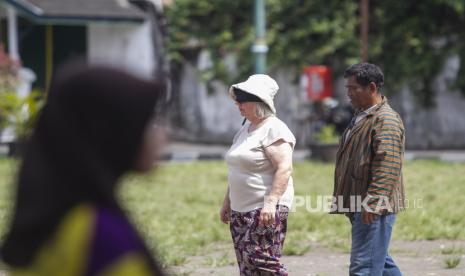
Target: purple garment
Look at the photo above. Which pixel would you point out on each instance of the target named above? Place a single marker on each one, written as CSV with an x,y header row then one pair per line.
x,y
258,248
113,238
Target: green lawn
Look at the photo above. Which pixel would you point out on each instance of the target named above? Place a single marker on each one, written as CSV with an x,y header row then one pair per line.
x,y
176,207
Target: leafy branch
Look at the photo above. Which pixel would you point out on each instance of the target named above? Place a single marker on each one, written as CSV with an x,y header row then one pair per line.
x,y
410,40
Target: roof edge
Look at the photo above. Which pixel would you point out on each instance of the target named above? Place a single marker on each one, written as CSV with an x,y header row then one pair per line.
x,y
26,7
77,20
38,14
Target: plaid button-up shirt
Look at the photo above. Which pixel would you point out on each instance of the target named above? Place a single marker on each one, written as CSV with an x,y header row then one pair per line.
x,y
369,164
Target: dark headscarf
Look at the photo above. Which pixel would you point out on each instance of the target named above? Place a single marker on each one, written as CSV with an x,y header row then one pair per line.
x,y
87,135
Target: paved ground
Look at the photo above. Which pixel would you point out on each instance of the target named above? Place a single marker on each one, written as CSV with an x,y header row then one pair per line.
x,y
180,151
417,258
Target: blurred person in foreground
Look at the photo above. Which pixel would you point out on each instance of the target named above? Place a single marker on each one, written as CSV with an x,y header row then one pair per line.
x,y
368,184
260,191
97,124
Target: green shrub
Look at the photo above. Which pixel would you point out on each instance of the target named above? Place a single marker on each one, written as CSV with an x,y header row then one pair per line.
x,y
327,135
20,112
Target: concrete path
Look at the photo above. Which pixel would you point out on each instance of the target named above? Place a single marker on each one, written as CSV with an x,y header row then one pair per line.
x,y
181,151
415,258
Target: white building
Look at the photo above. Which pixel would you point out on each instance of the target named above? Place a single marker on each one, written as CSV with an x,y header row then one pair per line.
x,y
45,33
42,34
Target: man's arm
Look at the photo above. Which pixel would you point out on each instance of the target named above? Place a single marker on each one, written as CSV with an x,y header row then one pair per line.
x,y
386,165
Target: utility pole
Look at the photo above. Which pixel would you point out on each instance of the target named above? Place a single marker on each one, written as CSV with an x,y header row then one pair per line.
x,y
13,35
260,48
364,27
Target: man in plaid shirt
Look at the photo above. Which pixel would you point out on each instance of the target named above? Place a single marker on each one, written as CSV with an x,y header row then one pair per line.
x,y
368,185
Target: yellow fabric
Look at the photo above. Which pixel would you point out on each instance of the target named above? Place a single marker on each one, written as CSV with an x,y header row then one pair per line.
x,y
130,264
64,255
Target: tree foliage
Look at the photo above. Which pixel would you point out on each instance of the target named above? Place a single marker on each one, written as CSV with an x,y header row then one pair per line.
x,y
410,40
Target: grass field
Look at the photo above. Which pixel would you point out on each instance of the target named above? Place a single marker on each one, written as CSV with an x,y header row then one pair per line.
x,y
176,207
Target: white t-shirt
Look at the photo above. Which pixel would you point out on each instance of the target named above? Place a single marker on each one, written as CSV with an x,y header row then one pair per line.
x,y
250,171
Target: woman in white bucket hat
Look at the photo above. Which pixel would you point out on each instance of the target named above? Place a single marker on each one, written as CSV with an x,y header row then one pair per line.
x,y
260,190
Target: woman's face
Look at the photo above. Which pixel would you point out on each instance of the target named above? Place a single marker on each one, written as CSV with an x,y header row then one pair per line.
x,y
247,109
153,141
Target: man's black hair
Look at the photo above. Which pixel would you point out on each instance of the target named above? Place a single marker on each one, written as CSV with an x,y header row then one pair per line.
x,y
365,73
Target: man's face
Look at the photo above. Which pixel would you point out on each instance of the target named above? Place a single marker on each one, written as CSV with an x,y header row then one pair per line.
x,y
360,96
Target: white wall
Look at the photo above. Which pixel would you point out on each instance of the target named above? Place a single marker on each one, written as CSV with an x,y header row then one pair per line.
x,y
125,45
439,127
213,117
207,117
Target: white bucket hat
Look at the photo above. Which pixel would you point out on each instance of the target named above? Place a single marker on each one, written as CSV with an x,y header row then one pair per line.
x,y
260,85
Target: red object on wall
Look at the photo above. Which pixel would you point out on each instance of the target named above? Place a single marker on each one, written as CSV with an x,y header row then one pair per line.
x,y
317,82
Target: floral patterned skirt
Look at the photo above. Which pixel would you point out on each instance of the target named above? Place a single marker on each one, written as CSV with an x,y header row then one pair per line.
x,y
258,248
